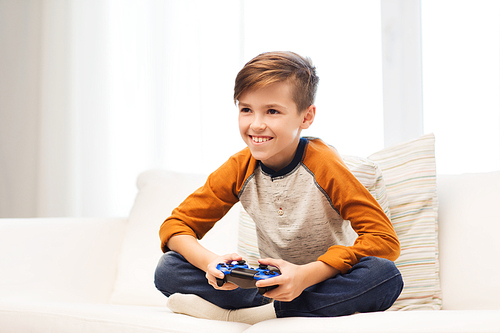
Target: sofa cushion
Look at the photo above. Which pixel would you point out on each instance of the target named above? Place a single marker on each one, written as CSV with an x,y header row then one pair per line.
x,y
469,224
388,322
409,173
159,193
103,318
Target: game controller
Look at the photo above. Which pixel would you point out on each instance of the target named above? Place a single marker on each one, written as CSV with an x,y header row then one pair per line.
x,y
245,277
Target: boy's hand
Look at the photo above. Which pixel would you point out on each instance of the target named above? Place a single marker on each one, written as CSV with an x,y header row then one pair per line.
x,y
290,283
294,278
213,272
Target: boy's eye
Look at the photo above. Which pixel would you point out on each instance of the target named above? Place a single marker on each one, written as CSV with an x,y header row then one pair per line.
x,y
245,110
273,111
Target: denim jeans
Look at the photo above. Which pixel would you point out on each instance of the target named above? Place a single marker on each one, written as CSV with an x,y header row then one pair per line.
x,y
373,284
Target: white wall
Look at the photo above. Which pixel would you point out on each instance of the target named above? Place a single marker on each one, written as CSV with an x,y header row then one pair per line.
x,y
20,32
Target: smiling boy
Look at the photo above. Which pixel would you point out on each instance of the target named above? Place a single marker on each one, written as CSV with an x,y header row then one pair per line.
x,y
270,124
327,235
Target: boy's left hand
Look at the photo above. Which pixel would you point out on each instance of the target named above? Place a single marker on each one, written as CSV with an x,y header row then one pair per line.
x,y
291,281
294,278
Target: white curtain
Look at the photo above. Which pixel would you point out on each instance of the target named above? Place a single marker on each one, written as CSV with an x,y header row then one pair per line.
x,y
125,86
95,92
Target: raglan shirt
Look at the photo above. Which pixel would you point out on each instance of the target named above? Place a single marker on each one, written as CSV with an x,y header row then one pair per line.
x,y
313,209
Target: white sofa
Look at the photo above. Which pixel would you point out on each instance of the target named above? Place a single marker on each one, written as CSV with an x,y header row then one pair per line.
x,y
96,275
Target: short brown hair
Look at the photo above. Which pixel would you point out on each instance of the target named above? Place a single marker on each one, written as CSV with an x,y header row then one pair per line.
x,y
272,67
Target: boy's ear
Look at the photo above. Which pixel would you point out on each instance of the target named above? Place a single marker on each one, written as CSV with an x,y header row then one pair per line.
x,y
308,116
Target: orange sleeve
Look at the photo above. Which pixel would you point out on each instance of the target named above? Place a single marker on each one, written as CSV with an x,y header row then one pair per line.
x,y
198,213
376,235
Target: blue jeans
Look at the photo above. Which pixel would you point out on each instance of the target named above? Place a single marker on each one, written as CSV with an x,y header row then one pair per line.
x,y
373,284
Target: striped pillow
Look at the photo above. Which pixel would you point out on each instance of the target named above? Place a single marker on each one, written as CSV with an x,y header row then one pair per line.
x,y
409,171
409,198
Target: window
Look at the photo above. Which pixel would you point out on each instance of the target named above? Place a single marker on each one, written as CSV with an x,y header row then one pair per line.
x,y
461,82
172,67
344,41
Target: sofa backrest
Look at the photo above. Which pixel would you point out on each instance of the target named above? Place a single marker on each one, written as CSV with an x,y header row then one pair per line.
x,y
469,224
59,259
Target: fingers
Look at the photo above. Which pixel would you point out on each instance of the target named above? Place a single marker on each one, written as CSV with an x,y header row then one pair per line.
x,y
212,267
226,286
227,258
280,296
213,273
213,282
272,262
269,282
231,257
289,282
278,280
285,292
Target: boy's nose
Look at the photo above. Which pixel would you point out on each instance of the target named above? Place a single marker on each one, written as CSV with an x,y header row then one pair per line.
x,y
258,124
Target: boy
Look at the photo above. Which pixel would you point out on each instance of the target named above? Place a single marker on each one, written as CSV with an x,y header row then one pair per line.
x,y
300,194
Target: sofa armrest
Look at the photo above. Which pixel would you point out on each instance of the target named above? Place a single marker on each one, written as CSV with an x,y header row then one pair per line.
x,y
59,259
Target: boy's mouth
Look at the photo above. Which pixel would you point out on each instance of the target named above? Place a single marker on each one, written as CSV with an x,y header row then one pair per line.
x,y
260,139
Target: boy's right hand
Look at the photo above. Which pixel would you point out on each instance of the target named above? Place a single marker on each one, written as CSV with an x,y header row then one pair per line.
x,y
213,272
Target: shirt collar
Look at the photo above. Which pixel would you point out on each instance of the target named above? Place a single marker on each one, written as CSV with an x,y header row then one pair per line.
x,y
290,167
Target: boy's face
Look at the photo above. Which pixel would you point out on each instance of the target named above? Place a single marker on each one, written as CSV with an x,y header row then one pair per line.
x,y
270,124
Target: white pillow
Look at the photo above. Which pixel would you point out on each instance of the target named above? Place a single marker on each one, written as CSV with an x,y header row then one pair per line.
x,y
159,193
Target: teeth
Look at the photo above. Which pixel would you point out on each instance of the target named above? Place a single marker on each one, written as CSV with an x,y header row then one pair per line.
x,y
260,139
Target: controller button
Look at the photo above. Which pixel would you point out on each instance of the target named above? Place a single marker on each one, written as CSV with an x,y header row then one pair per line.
x,y
241,262
262,266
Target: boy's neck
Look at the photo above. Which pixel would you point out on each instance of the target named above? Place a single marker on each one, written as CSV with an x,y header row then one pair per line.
x,y
296,160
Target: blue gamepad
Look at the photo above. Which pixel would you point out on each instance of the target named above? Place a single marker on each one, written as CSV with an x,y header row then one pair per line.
x,y
245,277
